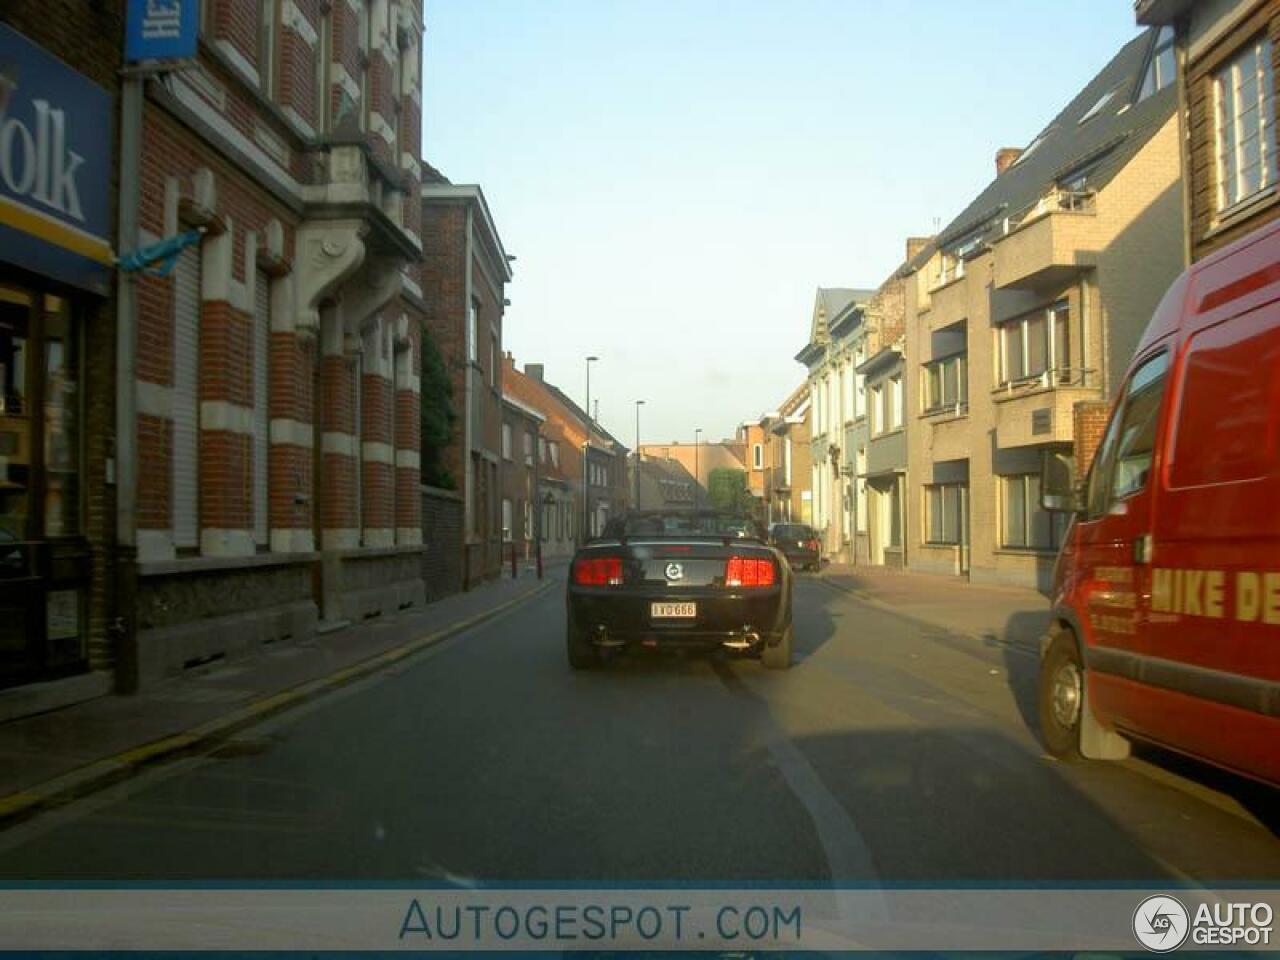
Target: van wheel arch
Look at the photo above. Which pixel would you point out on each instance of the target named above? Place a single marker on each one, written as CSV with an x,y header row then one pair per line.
x,y
1070,730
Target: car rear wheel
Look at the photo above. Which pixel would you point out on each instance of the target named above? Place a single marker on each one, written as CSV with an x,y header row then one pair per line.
x,y
1062,698
778,656
582,656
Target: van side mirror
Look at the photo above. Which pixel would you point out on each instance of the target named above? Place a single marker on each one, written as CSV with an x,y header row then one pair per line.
x,y
1058,490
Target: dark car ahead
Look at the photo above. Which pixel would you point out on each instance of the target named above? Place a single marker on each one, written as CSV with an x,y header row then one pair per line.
x,y
679,581
798,543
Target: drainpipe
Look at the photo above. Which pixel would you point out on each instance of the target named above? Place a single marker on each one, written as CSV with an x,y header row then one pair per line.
x,y
124,624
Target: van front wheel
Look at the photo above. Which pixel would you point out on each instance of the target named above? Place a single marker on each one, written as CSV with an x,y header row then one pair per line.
x,y
1062,698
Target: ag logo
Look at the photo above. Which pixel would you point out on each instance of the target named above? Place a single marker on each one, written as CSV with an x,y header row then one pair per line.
x,y
675,571
1161,923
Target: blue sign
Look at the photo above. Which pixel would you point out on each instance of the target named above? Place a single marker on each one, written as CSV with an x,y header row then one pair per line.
x,y
161,30
55,167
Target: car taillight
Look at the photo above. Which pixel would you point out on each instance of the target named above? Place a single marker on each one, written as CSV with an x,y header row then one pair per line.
x,y
597,571
749,572
813,545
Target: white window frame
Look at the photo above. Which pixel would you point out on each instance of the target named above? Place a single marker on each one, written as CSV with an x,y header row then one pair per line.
x,y
757,456
1030,507
935,404
895,402
877,409
506,441
508,511
1227,84
940,489
1055,314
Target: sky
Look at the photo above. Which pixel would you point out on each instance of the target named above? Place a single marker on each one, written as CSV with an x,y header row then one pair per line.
x,y
676,177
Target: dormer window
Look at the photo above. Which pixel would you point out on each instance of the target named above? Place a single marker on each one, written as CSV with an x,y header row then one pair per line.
x,y
1098,107
1162,67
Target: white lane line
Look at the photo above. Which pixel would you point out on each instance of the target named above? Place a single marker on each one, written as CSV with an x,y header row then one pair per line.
x,y
847,853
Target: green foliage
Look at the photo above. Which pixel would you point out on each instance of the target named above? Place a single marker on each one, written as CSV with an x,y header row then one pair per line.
x,y
438,415
727,491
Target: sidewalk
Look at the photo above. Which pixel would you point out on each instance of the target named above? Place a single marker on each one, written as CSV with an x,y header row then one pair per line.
x,y
53,757
990,613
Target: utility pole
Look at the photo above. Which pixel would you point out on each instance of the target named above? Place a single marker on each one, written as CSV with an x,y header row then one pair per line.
x,y
586,468
697,472
636,501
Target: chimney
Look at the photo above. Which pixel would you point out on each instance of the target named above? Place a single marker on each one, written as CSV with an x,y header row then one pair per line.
x,y
533,371
1006,157
915,245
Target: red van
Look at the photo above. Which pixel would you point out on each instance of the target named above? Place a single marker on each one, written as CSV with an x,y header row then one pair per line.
x,y
1166,595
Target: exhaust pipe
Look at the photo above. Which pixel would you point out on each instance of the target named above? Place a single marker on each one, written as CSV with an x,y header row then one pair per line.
x,y
601,638
746,641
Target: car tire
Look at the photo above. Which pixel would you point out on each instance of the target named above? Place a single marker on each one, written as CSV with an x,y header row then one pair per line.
x,y
581,654
778,656
1061,698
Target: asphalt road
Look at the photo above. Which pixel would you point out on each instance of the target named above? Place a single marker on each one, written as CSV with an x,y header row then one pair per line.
x,y
889,752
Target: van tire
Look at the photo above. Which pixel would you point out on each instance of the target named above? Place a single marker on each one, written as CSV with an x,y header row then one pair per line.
x,y
1061,697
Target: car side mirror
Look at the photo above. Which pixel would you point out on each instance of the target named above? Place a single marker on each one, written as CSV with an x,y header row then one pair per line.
x,y
1059,492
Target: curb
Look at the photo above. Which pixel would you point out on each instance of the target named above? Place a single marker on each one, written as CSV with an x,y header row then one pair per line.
x,y
109,770
871,601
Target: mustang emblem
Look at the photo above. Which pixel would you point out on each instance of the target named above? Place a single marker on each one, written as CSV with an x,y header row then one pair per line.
x,y
675,571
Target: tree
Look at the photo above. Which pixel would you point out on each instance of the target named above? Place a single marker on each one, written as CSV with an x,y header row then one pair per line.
x,y
438,415
727,491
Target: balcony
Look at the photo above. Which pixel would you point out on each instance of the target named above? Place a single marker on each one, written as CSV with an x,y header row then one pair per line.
x,y
948,300
1039,410
1050,243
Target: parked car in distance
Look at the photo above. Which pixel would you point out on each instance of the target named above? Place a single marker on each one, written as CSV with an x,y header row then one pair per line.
x,y
691,580
1166,596
798,543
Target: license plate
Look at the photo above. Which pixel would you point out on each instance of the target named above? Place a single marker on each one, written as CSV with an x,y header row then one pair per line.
x,y
672,610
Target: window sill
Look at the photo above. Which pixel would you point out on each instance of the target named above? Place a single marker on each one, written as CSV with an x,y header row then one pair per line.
x,y
946,414
1241,211
939,545
887,433
1026,551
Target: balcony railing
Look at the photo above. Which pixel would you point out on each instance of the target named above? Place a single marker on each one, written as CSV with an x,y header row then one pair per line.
x,y
1047,379
1055,201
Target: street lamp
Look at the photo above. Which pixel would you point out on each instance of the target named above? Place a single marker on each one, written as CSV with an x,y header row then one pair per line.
x,y
586,450
639,404
697,473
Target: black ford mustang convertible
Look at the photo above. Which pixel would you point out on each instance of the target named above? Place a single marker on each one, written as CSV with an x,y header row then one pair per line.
x,y
679,580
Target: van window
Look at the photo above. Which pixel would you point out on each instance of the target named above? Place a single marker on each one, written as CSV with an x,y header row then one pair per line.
x,y
1137,438
1228,403
1123,460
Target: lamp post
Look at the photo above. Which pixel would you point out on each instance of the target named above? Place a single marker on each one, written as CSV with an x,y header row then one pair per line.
x,y
639,404
586,451
697,473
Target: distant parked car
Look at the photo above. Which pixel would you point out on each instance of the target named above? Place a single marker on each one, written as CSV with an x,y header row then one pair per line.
x,y
798,543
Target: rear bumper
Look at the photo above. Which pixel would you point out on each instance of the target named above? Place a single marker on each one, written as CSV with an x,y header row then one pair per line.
x,y
739,619
801,558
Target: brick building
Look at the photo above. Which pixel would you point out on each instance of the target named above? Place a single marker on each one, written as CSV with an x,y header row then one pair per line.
x,y
1023,313
787,494
59,70
464,277
521,500
277,383
664,485
699,459
1227,50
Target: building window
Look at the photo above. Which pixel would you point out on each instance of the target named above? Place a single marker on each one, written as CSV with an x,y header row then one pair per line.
x,y
267,44
473,318
757,456
942,512
1244,104
1026,526
363,27
186,398
877,409
324,57
261,412
947,384
528,448
1162,67
555,453
528,519
895,403
506,441
506,518
1035,344
895,513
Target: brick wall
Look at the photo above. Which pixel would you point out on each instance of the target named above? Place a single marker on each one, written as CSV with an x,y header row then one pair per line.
x,y
442,538
1089,421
